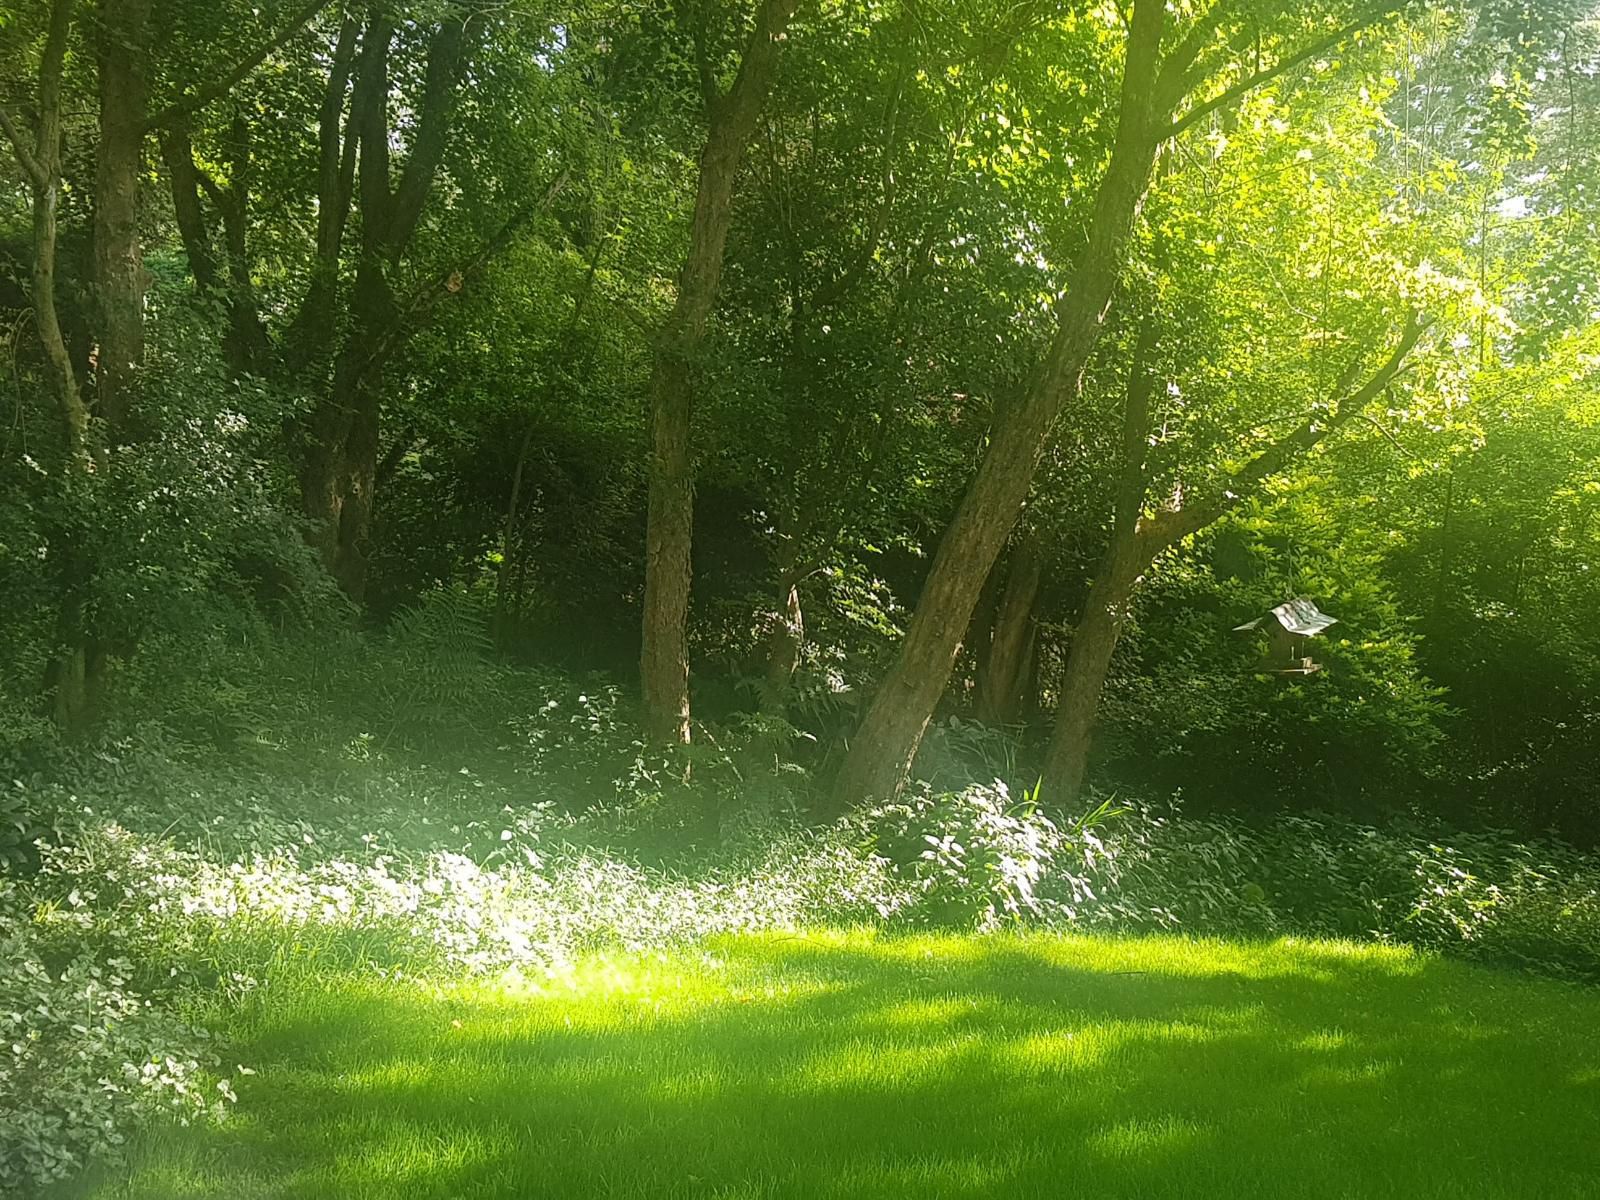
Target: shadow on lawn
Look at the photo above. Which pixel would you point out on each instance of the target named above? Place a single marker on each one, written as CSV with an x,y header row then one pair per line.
x,y
929,1067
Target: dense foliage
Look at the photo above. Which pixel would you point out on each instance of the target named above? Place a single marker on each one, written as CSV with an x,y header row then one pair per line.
x,y
480,482
415,298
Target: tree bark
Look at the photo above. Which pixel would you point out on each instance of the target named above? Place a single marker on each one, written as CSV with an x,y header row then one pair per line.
x,y
1094,641
664,658
1006,664
76,664
881,754
120,278
41,163
1153,87
311,331
1105,610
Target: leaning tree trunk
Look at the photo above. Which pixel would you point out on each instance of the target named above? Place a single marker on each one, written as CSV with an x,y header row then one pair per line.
x,y
1007,662
664,656
880,756
1136,542
1088,663
1106,608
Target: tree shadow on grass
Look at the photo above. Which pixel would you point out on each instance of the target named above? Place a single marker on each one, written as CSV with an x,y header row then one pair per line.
x,y
856,1067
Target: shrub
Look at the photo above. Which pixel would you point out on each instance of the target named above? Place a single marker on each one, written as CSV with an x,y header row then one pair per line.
x,y
84,1055
977,857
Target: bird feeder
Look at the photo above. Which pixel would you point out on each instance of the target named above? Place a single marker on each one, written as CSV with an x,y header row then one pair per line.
x,y
1289,627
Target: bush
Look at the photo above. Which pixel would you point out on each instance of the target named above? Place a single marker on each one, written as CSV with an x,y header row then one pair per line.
x,y
977,858
1483,896
84,1055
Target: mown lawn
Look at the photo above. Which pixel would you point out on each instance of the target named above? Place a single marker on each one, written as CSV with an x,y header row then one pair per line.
x,y
856,1065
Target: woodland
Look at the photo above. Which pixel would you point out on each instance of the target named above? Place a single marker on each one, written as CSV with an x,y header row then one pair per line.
x,y
590,590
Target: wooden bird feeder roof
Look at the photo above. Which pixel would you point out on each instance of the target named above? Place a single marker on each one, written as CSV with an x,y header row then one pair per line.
x,y
1299,617
1287,626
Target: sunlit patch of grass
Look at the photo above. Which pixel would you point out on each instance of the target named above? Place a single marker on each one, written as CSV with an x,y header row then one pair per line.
x,y
842,1064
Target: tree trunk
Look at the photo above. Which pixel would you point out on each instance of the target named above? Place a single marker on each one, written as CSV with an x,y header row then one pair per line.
x,y
880,756
75,675
311,332
341,463
246,345
664,656
119,262
1007,662
42,165
787,634
339,467
1088,663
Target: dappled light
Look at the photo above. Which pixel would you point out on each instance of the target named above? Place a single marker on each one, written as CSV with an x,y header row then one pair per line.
x,y
844,1064
760,599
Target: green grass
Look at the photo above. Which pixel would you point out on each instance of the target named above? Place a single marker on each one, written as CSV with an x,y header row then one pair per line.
x,y
856,1065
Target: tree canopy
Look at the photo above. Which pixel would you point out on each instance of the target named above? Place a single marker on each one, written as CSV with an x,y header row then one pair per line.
x,y
831,372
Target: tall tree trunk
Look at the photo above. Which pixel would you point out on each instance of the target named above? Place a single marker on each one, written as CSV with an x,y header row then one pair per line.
x,y
1007,662
881,754
41,163
246,345
118,258
76,673
339,466
74,667
664,653
313,328
664,657
1094,640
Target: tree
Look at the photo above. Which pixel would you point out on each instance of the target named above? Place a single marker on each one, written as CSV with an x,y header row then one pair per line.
x,y
731,119
1160,76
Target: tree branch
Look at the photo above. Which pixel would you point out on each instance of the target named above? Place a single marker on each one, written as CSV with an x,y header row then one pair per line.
x,y
445,53
842,284
1249,83
1174,80
1173,525
31,166
452,280
218,88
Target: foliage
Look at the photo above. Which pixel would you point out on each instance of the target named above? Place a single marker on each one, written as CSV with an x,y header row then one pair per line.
x,y
86,1054
976,858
